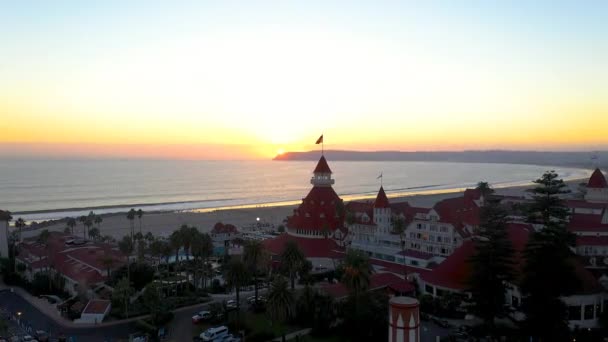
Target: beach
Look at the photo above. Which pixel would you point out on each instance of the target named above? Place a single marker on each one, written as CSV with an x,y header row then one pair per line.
x,y
163,223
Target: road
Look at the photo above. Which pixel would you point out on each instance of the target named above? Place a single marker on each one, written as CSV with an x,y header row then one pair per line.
x,y
30,315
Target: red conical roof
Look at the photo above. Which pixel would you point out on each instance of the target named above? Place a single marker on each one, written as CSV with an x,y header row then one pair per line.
x,y
597,180
322,166
381,200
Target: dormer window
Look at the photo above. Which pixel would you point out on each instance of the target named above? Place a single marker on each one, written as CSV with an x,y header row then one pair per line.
x,y
322,215
307,215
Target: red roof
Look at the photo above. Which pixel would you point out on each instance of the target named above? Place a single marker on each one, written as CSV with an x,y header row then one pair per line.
x,y
597,180
322,166
377,281
396,268
453,272
220,228
96,307
416,254
381,200
459,210
311,247
587,223
317,211
585,240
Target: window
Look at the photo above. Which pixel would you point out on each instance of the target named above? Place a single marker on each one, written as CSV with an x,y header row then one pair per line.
x,y
413,262
574,312
433,228
432,238
444,229
428,289
439,239
429,249
412,235
589,311
419,226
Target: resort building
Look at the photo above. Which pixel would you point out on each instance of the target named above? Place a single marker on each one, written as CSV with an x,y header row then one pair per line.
x,y
429,235
317,224
584,307
597,187
589,221
83,264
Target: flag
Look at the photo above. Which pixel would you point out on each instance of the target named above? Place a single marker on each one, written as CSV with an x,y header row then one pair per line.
x,y
379,176
320,140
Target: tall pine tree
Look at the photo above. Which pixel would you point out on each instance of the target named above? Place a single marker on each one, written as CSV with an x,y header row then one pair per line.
x,y
548,272
491,265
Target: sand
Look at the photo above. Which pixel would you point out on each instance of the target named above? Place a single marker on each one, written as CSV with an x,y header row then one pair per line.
x,y
163,223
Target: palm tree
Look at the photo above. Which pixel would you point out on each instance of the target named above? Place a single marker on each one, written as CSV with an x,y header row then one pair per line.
x,y
187,233
71,223
94,233
140,213
131,216
256,259
236,277
485,189
98,219
126,247
107,262
291,260
19,224
357,272
176,243
83,219
202,248
280,302
149,237
122,292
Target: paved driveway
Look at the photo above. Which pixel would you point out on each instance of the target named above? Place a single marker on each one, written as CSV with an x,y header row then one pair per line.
x,y
31,316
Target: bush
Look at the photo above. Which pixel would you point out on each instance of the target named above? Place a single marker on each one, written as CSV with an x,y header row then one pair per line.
x,y
141,275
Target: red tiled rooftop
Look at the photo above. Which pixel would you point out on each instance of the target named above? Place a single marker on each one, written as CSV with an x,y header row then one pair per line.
x,y
220,228
311,247
416,254
587,223
96,306
318,211
597,180
592,240
322,166
381,200
377,281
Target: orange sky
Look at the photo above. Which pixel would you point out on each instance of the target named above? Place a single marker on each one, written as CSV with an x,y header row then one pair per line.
x,y
97,82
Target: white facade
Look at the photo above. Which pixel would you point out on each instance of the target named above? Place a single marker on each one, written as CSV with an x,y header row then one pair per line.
x,y
597,195
433,237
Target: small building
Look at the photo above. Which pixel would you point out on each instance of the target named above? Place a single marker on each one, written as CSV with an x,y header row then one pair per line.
x,y
95,312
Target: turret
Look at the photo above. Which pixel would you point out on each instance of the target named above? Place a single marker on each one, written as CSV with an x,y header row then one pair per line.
x,y
597,187
322,174
382,212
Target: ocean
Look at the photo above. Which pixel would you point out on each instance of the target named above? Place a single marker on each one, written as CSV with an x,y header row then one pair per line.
x,y
48,189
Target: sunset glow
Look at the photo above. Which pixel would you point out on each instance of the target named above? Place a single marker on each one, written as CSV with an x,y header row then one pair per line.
x,y
252,81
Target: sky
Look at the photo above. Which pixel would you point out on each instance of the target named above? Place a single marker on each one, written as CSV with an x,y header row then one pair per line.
x,y
250,79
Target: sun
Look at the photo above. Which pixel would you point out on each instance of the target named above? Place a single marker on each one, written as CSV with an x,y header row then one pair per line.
x,y
280,151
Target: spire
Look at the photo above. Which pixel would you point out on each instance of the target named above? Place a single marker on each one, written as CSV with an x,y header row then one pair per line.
x,y
597,180
381,200
322,174
322,166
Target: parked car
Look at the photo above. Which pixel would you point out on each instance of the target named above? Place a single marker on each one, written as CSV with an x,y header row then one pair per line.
x,y
213,334
201,316
251,299
42,336
231,305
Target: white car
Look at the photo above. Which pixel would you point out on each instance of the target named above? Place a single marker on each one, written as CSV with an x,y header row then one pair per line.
x,y
201,316
231,304
212,334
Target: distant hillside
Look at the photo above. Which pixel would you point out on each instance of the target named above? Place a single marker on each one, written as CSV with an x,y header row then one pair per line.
x,y
572,159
